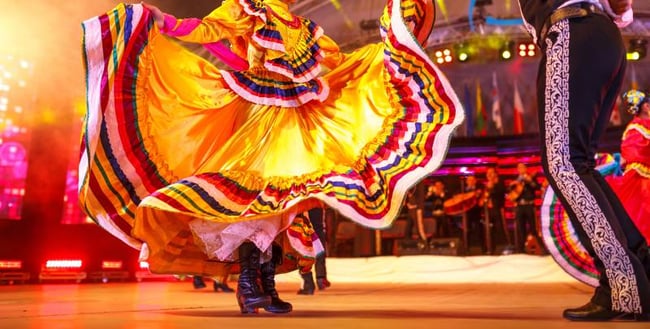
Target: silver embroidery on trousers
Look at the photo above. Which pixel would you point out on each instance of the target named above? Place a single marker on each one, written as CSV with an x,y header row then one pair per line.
x,y
619,270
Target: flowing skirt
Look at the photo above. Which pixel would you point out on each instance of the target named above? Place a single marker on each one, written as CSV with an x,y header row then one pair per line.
x,y
176,163
558,232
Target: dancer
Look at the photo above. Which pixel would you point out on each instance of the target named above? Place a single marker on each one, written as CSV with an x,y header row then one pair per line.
x,y
633,188
581,71
206,167
316,217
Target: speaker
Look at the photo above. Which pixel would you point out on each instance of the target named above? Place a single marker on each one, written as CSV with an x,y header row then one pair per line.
x,y
445,247
408,247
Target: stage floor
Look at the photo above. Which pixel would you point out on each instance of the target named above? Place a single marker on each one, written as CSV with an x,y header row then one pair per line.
x,y
163,305
516,291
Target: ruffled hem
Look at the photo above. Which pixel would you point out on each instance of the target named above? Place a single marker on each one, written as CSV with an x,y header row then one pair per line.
x,y
274,92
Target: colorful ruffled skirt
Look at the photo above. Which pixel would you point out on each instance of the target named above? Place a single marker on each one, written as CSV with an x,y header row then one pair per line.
x,y
558,232
176,163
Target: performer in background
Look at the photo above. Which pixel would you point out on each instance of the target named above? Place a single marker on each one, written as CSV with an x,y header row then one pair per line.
x,y
414,205
494,200
475,228
633,188
580,76
522,193
318,222
218,284
434,204
200,168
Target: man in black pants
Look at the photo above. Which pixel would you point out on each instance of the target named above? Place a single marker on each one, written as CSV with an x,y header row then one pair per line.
x,y
580,76
495,193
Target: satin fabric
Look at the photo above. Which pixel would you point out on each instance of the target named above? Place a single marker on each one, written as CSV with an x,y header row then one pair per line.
x,y
177,162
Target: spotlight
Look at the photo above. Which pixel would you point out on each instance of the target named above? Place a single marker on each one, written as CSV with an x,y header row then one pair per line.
x,y
507,50
443,56
637,49
526,49
462,52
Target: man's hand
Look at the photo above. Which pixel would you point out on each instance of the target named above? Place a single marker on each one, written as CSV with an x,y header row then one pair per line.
x,y
619,7
158,15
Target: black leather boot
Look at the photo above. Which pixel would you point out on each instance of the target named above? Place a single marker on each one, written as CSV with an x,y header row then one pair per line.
x,y
223,286
595,312
249,295
197,282
268,284
308,285
322,283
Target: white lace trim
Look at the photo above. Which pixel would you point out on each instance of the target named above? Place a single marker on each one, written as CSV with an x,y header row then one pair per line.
x,y
220,241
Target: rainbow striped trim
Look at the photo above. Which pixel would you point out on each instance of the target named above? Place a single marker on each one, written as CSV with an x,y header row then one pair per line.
x,y
258,89
115,170
560,237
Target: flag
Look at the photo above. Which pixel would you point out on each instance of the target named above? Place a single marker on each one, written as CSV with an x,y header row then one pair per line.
x,y
481,115
496,105
518,118
469,120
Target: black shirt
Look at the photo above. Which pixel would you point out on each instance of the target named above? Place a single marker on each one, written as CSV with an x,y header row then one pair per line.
x,y
536,12
497,194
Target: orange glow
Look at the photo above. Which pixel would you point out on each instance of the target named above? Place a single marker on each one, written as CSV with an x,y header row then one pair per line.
x,y
11,264
112,265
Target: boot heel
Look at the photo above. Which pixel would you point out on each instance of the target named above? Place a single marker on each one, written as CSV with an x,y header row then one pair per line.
x,y
246,310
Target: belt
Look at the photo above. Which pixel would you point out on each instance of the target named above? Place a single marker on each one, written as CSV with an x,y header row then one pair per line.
x,y
581,9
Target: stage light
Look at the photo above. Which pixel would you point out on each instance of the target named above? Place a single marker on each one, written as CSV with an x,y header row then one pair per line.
x,y
463,52
144,265
62,270
11,272
527,49
112,264
67,264
506,51
11,264
443,56
637,49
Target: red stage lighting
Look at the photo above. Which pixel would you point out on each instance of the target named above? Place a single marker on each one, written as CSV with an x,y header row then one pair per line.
x,y
144,265
112,265
11,264
64,264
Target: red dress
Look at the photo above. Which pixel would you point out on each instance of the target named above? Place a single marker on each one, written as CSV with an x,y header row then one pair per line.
x,y
633,188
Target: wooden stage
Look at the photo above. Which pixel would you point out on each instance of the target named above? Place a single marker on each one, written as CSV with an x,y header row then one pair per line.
x,y
164,305
515,291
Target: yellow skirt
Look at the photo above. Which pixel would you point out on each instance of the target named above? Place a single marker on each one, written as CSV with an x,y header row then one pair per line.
x,y
175,159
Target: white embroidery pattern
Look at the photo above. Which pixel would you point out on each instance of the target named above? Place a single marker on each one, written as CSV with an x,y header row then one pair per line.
x,y
619,270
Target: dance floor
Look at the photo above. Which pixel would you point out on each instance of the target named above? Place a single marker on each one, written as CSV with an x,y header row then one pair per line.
x,y
169,304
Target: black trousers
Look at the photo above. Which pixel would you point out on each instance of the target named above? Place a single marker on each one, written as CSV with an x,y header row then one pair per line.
x,y
498,232
525,223
317,219
580,76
